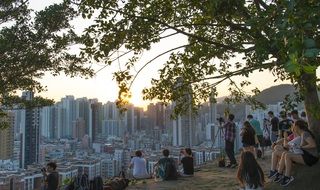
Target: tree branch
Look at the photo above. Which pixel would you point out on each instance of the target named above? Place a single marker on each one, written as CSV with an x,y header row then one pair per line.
x,y
179,47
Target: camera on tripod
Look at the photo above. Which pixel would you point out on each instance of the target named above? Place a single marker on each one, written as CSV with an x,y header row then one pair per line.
x,y
220,120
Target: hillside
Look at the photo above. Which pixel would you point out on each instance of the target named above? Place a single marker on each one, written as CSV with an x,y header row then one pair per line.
x,y
275,94
271,95
211,176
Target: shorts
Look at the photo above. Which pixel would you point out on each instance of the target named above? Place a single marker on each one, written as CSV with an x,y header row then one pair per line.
x,y
309,159
261,140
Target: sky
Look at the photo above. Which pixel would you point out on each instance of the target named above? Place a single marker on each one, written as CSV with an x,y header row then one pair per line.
x,y
102,86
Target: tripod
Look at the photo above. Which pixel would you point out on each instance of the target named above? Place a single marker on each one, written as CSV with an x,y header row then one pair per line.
x,y
220,134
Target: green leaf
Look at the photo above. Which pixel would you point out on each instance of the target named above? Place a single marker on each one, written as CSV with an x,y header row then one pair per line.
x,y
290,67
310,68
309,43
311,53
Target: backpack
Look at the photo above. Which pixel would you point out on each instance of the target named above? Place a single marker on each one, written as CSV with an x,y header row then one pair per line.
x,y
170,171
118,183
96,183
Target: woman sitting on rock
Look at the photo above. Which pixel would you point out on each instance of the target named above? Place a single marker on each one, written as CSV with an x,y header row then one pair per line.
x,y
308,157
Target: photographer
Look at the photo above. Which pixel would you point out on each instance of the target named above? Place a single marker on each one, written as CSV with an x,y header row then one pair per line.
x,y
230,136
51,176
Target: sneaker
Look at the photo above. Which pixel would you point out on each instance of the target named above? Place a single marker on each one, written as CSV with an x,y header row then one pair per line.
x,y
286,180
272,174
278,178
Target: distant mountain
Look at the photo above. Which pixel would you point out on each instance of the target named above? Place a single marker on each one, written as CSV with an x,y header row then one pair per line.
x,y
271,95
275,94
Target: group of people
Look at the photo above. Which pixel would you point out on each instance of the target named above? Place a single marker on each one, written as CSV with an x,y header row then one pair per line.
x,y
292,143
165,168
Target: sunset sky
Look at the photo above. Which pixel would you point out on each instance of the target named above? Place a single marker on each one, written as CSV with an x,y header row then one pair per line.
x,y
104,88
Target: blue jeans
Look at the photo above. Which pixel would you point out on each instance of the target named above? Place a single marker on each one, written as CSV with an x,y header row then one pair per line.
x,y
274,136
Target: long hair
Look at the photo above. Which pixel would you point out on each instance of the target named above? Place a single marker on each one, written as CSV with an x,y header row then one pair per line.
x,y
249,171
303,126
248,127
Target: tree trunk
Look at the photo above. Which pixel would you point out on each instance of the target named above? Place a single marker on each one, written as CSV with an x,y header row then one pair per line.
x,y
308,88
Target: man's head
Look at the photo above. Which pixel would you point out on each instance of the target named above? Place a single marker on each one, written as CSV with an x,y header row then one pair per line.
x,y
294,114
231,117
249,117
138,153
51,166
283,114
270,113
188,151
165,152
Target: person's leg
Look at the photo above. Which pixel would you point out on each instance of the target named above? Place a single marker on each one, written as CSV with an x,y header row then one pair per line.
x,y
274,162
281,166
275,158
273,137
291,157
282,163
227,149
232,158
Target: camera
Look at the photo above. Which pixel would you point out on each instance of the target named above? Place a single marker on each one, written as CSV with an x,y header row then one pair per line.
x,y
220,120
43,169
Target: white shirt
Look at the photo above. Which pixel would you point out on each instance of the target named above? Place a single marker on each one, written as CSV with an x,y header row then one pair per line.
x,y
294,145
139,167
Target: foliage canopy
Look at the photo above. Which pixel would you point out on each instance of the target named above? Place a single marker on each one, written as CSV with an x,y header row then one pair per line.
x,y
280,36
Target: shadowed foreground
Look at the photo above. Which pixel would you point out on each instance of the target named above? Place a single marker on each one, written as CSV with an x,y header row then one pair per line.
x,y
211,176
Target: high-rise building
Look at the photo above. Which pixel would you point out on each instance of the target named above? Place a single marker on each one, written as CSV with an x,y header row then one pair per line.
x,y
138,114
69,105
95,120
48,122
7,138
184,128
111,128
30,133
129,115
160,116
78,129
82,111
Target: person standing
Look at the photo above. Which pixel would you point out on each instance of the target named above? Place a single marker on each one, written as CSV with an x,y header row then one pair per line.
x,y
274,126
256,126
139,165
230,136
284,125
248,137
51,176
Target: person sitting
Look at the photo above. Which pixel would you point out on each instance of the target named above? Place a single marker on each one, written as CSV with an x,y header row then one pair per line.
x,y
187,163
51,176
248,137
166,168
250,174
139,165
282,146
308,157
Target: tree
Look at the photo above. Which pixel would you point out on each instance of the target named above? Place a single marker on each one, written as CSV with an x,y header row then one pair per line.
x,y
32,45
280,36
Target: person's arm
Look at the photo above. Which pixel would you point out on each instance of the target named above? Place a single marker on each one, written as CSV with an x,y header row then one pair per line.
x,y
310,141
131,163
242,131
